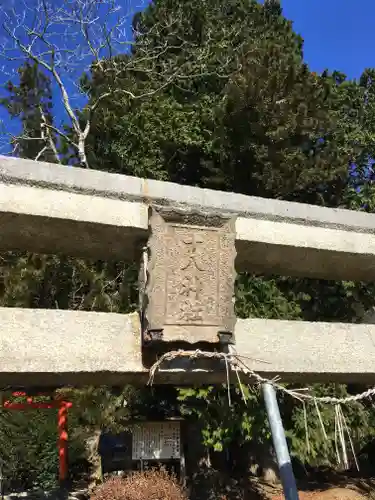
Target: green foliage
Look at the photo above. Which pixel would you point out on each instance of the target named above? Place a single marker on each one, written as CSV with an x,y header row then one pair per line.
x,y
318,446
218,420
28,448
285,298
259,297
96,408
47,281
242,112
31,103
40,281
228,103
29,438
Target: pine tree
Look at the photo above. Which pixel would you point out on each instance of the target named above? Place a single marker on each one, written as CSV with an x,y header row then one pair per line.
x,y
50,282
31,102
259,122
246,114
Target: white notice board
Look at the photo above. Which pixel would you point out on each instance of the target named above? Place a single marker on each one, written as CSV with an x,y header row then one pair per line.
x,y
156,441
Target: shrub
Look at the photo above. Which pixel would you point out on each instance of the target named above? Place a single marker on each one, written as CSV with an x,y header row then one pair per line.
x,y
147,485
28,449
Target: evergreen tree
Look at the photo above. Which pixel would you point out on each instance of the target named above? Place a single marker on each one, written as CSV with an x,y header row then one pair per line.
x,y
50,282
31,102
246,114
242,112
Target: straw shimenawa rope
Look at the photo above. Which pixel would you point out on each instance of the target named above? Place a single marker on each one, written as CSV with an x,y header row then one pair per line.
x,y
238,364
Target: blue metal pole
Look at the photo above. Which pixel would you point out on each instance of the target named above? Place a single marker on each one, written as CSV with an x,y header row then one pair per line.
x,y
279,441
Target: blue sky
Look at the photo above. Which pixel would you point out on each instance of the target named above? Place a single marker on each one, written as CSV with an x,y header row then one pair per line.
x,y
337,35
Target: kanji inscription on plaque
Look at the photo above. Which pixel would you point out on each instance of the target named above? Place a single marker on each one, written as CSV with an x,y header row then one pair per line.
x,y
156,440
190,275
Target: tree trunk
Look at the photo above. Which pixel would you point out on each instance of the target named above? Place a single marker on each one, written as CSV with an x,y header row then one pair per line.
x,y
93,456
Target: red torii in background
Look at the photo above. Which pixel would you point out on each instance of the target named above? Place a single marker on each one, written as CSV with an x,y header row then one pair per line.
x,y
62,421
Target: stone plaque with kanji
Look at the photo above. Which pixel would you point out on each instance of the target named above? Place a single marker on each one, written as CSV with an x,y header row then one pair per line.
x,y
190,275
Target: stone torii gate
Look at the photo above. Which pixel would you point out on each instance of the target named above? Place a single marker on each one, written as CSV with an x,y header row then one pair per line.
x,y
189,242
195,239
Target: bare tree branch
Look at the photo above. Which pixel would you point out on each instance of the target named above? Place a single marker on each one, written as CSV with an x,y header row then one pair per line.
x,y
46,131
97,30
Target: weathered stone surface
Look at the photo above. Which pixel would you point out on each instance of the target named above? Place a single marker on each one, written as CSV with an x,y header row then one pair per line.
x,y
51,221
290,249
54,347
38,345
191,275
52,208
308,351
106,185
